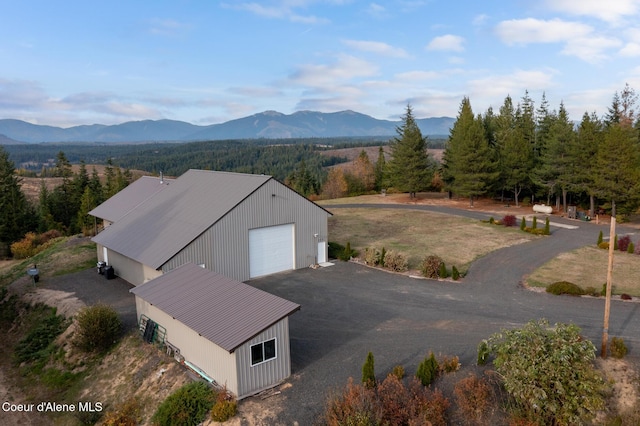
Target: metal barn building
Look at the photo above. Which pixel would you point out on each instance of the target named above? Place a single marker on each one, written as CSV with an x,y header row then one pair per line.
x,y
239,225
230,333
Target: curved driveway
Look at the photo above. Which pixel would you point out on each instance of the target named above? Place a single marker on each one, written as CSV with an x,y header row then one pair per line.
x,y
349,309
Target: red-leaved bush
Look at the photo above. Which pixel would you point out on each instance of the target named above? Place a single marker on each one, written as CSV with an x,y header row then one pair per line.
x,y
509,220
623,243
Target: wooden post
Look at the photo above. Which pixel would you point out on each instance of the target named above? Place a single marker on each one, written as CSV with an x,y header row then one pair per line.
x,y
607,303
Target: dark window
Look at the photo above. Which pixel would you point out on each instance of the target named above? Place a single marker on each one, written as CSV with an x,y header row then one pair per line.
x,y
263,351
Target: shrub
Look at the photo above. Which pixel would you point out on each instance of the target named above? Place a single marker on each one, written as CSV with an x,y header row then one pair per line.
x,y
396,261
623,243
537,360
625,296
394,399
534,223
455,274
127,414
398,371
336,250
33,244
604,245
617,348
600,237
631,248
383,253
442,273
492,220
509,220
523,223
564,287
473,397
36,344
368,372
186,406
97,328
547,228
430,266
483,352
449,365
371,256
225,407
348,252
356,405
591,291
428,370
615,242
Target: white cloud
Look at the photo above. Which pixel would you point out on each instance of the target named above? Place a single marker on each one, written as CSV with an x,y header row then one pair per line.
x,y
531,30
447,42
609,11
417,75
376,10
280,10
342,71
167,27
499,86
591,49
377,47
480,20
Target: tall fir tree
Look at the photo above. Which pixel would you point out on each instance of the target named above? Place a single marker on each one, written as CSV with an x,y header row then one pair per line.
x,y
380,168
588,139
17,216
409,169
469,166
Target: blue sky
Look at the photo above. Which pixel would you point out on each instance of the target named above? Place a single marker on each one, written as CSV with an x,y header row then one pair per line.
x,y
205,62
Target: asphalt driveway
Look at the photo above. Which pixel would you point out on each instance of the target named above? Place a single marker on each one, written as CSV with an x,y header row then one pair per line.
x,y
350,309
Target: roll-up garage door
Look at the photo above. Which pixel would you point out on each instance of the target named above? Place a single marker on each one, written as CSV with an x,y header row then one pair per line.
x,y
271,250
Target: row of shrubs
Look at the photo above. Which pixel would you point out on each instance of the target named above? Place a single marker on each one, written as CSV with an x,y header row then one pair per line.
x,y
623,244
33,244
571,289
510,221
428,369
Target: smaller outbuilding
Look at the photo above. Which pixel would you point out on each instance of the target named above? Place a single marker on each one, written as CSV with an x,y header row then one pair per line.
x,y
229,332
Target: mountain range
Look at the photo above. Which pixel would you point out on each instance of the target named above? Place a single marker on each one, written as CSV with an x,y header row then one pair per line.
x,y
268,125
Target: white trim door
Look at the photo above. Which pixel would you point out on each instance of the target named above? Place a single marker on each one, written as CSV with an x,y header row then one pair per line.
x,y
271,250
322,252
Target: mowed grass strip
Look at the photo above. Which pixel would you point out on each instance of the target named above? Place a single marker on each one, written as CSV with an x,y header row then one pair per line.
x,y
417,234
587,267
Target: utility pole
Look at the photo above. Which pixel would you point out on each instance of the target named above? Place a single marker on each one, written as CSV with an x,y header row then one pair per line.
x,y
607,303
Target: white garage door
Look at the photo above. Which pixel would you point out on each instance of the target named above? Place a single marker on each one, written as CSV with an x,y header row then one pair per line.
x,y
271,250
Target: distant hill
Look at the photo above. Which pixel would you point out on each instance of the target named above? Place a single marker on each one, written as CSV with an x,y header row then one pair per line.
x,y
268,124
4,140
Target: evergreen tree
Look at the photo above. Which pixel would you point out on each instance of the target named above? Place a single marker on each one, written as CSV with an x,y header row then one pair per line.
x,y
469,167
514,148
409,168
380,168
17,216
368,372
588,139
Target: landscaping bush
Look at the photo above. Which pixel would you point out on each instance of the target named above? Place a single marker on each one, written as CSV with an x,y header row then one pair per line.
x,y
368,372
617,348
383,253
536,361
492,220
225,407
547,227
442,273
591,291
336,250
625,296
33,244
371,256
509,220
455,274
398,371
186,406
600,237
356,405
534,223
97,328
430,266
523,223
449,365
483,352
396,261
615,242
473,397
348,253
623,243
631,248
564,287
428,370
604,245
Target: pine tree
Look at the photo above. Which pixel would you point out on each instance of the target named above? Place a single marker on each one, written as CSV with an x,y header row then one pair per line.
x,y
409,168
368,372
17,216
469,168
380,168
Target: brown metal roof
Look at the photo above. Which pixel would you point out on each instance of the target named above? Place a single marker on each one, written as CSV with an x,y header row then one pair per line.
x,y
221,309
164,224
130,197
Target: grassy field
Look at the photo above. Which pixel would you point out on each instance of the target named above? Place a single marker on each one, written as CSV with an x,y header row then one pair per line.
x,y
587,267
417,234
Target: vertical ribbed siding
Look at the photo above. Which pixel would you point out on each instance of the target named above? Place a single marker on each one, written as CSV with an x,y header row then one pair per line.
x,y
131,271
268,374
224,247
216,362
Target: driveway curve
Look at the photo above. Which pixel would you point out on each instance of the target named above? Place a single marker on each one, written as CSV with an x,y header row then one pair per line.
x,y
350,309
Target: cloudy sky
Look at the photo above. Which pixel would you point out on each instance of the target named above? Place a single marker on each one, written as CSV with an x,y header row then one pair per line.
x,y
207,61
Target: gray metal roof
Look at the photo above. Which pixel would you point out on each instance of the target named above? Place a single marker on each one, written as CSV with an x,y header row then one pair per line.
x,y
126,200
219,308
155,230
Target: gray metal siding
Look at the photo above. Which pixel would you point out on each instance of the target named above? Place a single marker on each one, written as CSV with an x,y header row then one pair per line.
x,y
268,374
128,269
224,247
